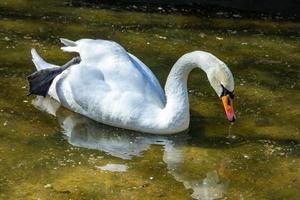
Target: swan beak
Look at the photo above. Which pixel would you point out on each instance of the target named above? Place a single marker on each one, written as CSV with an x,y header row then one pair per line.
x,y
228,106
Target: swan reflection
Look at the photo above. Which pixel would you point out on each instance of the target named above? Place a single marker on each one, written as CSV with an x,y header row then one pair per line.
x,y
83,132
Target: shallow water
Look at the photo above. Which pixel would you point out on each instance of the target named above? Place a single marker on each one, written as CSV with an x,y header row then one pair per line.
x,y
48,152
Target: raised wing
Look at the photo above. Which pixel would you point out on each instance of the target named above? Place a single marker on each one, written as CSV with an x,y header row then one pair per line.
x,y
121,71
156,89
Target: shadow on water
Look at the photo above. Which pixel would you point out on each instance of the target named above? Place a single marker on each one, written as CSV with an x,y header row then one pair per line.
x,y
202,23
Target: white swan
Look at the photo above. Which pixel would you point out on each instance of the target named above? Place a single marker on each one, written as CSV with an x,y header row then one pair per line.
x,y
114,87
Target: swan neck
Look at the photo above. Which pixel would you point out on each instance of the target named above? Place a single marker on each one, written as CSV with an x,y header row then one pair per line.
x,y
176,83
177,105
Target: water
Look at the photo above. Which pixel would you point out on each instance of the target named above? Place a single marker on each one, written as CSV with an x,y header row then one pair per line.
x,y
48,152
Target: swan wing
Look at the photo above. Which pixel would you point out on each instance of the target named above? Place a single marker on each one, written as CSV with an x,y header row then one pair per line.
x,y
118,71
77,88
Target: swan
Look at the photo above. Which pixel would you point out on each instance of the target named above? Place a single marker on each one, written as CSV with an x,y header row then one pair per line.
x,y
110,85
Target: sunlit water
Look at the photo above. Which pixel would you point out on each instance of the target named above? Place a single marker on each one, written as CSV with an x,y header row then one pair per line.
x,y
48,152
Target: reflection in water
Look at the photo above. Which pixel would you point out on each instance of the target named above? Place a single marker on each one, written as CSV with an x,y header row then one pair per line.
x,y
113,168
211,187
230,135
208,189
46,104
83,132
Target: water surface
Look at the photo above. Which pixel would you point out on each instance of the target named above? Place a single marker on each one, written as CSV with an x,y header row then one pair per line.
x,y
48,152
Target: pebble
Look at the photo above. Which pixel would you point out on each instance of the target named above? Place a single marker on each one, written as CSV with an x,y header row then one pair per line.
x,y
48,186
236,15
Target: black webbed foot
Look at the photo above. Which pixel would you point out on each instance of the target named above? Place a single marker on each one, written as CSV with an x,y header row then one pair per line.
x,y
40,81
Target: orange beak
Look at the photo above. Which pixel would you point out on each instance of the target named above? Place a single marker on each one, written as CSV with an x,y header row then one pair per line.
x,y
228,106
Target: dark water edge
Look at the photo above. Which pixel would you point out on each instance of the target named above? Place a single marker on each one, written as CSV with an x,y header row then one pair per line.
x,y
253,8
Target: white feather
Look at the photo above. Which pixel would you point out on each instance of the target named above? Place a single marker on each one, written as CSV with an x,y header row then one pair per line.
x,y
39,62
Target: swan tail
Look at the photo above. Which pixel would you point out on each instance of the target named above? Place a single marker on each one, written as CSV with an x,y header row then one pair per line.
x,y
39,62
67,42
70,46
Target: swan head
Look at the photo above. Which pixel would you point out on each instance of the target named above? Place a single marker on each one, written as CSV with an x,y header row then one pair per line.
x,y
221,80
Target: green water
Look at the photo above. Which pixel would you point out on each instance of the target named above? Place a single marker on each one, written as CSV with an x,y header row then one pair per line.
x,y
66,156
